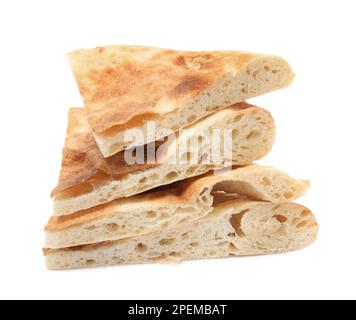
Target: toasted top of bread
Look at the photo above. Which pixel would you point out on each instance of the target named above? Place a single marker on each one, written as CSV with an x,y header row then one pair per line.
x,y
81,157
124,86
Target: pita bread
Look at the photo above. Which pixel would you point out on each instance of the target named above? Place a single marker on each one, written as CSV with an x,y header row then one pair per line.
x,y
87,179
238,227
125,86
165,207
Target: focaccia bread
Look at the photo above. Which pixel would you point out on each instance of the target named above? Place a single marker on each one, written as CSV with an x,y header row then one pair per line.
x,y
87,179
165,207
123,87
237,227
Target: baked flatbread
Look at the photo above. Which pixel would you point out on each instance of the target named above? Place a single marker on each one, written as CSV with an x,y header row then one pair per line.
x,y
125,86
87,179
238,227
164,207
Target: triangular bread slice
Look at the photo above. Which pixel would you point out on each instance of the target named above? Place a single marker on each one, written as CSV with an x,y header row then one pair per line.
x,y
125,86
237,227
186,200
87,179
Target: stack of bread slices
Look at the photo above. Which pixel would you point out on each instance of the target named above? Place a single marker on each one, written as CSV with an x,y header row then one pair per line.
x,y
158,166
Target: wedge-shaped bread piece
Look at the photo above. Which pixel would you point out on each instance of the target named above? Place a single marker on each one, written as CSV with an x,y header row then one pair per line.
x,y
186,200
124,86
238,227
87,179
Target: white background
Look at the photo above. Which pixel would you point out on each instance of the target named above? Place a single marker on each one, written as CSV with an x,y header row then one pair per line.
x,y
316,133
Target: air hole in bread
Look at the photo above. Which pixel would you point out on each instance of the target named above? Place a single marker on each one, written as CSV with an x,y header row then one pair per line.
x,y
185,236
160,258
280,218
244,88
235,221
143,180
192,118
267,68
194,244
154,177
305,213
112,227
166,242
266,181
141,248
191,171
301,224
117,260
288,195
222,244
217,237
151,214
190,210
275,71
256,74
183,220
233,249
91,228
175,254
253,134
238,118
172,175
90,262
153,254
204,199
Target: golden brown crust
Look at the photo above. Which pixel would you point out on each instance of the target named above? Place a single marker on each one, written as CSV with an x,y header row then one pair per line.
x,y
83,162
121,83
